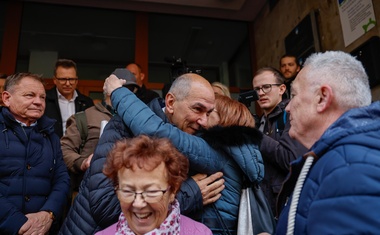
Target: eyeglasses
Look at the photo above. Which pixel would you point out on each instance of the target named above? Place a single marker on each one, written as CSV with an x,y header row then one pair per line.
x,y
64,80
148,196
266,88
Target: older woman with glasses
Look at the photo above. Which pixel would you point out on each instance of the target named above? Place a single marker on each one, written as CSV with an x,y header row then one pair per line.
x,y
229,145
147,173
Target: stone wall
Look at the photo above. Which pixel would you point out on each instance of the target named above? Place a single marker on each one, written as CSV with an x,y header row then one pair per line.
x,y
272,26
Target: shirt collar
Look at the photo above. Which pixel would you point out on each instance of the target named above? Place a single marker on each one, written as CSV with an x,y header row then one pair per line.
x,y
60,96
23,124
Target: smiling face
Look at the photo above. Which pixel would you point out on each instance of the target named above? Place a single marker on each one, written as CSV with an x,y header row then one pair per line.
x,y
141,216
191,113
268,101
26,100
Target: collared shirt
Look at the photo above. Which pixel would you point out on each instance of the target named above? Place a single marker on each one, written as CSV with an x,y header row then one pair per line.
x,y
67,107
23,124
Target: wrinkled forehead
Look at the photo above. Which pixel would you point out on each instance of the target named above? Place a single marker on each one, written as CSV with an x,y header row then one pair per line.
x,y
202,95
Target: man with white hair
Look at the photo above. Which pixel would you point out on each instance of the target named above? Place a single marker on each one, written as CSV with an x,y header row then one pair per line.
x,y
335,187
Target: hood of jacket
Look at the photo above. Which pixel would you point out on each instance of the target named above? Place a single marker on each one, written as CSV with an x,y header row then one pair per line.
x,y
357,122
241,143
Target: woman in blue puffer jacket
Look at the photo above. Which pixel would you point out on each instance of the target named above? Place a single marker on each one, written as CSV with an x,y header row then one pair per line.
x,y
230,147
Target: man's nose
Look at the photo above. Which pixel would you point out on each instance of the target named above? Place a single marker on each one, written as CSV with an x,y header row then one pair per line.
x,y
38,100
202,121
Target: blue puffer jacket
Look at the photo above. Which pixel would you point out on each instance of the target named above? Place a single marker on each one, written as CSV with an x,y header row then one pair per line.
x,y
234,152
33,176
96,206
341,193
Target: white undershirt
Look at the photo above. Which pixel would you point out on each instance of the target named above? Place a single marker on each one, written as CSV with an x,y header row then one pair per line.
x,y
67,108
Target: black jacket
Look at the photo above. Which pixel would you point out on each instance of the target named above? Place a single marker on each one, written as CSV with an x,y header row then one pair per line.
x,y
52,110
278,150
146,95
33,174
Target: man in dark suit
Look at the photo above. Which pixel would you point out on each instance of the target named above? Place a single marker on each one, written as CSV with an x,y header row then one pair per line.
x,y
64,100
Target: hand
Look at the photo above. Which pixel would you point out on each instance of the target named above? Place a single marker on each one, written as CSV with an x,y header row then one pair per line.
x,y
86,163
37,223
211,186
111,83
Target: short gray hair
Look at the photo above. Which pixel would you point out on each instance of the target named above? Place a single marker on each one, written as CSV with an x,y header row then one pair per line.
x,y
181,86
344,73
15,79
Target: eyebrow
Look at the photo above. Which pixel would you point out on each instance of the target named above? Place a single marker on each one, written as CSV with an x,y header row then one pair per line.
x,y
201,106
134,187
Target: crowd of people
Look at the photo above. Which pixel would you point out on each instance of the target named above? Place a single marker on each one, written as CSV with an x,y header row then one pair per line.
x,y
178,164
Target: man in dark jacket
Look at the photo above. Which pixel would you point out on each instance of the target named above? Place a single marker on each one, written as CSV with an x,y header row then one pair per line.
x,y
334,188
64,100
97,207
145,95
34,182
289,67
277,148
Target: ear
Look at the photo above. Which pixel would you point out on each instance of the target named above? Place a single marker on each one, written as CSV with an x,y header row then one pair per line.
x,y
6,98
169,102
55,80
142,76
171,197
324,98
282,89
298,68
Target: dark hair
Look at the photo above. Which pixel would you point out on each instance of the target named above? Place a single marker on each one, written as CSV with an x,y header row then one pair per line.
x,y
14,79
65,63
147,153
292,56
277,74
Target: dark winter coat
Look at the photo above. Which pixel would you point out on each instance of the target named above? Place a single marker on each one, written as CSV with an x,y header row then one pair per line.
x,y
341,191
33,176
278,151
146,95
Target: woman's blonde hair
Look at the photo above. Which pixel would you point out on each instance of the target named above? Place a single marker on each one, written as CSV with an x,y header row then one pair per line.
x,y
222,87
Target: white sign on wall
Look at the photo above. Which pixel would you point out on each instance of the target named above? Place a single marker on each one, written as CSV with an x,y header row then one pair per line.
x,y
357,17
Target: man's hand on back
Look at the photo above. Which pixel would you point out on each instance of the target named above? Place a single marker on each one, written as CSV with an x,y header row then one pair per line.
x,y
210,186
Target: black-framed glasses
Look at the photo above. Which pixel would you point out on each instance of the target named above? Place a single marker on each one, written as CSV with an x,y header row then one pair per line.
x,y
63,81
266,88
150,196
